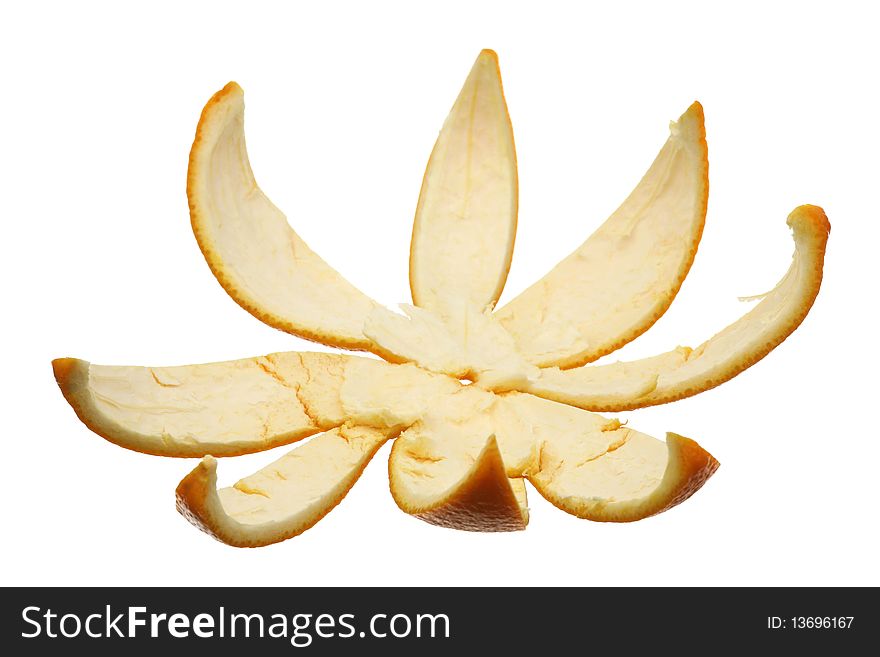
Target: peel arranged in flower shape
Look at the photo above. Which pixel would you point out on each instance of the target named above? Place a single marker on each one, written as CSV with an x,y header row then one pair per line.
x,y
461,453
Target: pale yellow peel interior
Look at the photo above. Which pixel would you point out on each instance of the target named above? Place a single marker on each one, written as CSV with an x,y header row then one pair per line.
x,y
606,387
377,394
581,461
464,343
458,441
625,276
286,497
684,372
637,479
219,402
246,405
465,223
371,393
252,250
226,408
525,425
630,471
431,460
518,486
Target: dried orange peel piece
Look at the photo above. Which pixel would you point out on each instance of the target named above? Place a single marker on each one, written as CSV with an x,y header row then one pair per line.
x,y
462,465
463,342
254,253
462,452
624,277
469,492
465,222
605,294
684,372
246,405
594,467
638,479
224,409
286,497
449,470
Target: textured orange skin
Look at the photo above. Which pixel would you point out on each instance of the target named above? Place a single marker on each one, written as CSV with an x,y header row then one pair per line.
x,y
191,495
483,502
63,368
696,466
502,279
689,467
191,502
72,376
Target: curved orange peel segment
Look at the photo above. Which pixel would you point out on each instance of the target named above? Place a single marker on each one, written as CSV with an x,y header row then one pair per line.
x,y
465,223
632,482
465,451
444,471
251,249
684,372
247,405
470,491
283,499
225,409
624,277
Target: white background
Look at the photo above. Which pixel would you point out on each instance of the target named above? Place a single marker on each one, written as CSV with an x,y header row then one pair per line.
x,y
99,106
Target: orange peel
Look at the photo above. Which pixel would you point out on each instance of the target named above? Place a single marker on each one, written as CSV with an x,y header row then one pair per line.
x,y
625,276
283,499
684,372
462,453
465,223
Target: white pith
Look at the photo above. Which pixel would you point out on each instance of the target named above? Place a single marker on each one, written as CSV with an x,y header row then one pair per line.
x,y
537,415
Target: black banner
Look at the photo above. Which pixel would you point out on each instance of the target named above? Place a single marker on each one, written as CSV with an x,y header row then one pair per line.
x,y
333,621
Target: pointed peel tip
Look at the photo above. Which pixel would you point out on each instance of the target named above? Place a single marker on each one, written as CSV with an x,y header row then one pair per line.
x,y
486,66
696,111
809,217
691,123
232,88
62,367
208,464
229,95
690,450
195,487
69,371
